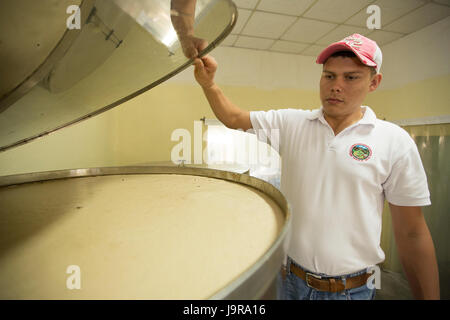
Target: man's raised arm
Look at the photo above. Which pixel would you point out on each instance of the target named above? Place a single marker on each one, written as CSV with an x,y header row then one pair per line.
x,y
228,113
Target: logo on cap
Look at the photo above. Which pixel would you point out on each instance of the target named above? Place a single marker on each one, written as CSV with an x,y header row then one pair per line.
x,y
353,42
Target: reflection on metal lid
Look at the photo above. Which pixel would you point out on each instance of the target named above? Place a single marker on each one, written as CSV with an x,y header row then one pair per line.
x,y
80,73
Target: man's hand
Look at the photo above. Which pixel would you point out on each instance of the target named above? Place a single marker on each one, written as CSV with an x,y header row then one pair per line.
x,y
205,69
192,46
228,113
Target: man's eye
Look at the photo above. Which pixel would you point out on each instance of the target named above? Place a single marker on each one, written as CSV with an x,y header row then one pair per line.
x,y
352,78
327,76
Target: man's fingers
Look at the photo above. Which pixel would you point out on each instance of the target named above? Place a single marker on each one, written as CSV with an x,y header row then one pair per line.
x,y
209,62
202,44
205,68
198,63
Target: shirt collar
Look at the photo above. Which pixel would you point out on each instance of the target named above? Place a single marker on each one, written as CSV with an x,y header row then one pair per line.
x,y
369,116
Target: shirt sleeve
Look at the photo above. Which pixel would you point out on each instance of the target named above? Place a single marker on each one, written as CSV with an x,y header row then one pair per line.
x,y
269,126
407,184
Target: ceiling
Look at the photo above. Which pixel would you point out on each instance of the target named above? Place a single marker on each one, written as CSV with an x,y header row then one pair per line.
x,y
306,27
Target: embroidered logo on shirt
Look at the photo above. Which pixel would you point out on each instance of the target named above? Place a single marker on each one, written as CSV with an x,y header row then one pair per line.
x,y
360,152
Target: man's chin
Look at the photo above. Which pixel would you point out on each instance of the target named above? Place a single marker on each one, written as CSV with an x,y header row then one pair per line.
x,y
331,108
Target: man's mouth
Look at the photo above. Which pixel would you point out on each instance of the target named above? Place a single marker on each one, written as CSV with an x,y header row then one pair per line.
x,y
334,100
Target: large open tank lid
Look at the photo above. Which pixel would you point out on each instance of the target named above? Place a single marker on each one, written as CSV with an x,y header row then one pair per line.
x,y
66,61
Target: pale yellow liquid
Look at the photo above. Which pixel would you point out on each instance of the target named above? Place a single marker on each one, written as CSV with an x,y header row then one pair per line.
x,y
153,236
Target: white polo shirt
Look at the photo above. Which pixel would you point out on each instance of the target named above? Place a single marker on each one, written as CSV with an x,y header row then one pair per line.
x,y
337,185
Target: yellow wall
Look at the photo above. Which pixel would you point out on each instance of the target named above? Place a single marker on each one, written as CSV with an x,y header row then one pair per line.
x,y
84,145
430,97
145,124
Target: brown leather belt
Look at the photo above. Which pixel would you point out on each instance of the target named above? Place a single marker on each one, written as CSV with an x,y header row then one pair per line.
x,y
329,284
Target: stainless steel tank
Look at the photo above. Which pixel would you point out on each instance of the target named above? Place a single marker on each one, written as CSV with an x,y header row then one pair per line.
x,y
131,243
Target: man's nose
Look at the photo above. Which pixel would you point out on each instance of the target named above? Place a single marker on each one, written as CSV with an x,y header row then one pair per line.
x,y
337,86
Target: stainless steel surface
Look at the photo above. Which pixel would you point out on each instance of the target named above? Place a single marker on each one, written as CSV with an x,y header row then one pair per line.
x,y
137,65
252,283
32,40
77,63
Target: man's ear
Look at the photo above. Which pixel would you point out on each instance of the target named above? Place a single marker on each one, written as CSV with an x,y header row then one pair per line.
x,y
375,82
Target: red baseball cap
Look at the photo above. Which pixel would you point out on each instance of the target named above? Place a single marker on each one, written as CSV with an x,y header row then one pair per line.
x,y
365,49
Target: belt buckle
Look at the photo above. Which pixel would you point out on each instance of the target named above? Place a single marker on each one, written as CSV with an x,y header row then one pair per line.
x,y
314,275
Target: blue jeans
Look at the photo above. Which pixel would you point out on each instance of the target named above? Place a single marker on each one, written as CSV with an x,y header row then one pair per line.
x,y
294,288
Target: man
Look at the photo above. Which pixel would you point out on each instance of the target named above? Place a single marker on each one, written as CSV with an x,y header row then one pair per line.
x,y
339,164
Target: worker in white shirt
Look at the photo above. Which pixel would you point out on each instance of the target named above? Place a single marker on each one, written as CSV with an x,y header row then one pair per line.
x,y
339,164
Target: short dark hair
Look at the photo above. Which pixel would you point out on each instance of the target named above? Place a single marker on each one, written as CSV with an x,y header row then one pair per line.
x,y
350,54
